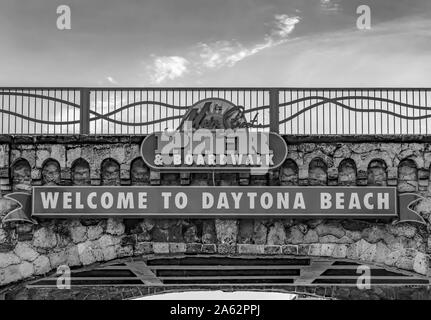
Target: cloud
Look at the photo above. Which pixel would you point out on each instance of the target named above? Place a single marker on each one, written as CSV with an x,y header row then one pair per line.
x,y
391,54
168,68
219,54
227,53
111,80
224,53
330,6
284,25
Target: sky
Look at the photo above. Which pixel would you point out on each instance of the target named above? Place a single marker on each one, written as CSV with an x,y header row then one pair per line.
x,y
161,43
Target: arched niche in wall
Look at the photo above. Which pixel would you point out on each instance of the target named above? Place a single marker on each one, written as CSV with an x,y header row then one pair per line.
x,y
81,172
21,175
347,173
110,172
289,173
51,172
377,173
317,172
407,176
139,173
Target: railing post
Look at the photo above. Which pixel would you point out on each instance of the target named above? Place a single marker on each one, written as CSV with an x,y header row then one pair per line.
x,y
274,119
85,111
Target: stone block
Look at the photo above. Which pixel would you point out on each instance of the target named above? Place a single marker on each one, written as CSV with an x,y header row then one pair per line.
x,y
303,182
115,226
289,249
193,248
177,247
277,234
272,250
327,249
143,248
26,269
330,229
95,182
423,174
109,253
340,251
227,231
86,252
7,259
44,238
250,249
303,249
41,265
295,236
25,252
392,182
392,173
315,249
421,263
302,173
94,232
161,247
226,249
78,232
209,248
128,240
126,251
108,240
423,183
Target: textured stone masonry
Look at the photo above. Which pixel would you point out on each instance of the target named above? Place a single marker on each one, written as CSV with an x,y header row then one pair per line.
x,y
28,251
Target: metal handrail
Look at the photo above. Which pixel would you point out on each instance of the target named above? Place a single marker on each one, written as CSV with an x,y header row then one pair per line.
x,y
142,110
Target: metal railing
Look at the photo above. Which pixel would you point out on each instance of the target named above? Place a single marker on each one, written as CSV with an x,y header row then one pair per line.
x,y
140,111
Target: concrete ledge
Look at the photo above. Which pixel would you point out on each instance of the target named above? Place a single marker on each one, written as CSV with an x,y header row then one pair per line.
x,y
70,139
297,139
291,139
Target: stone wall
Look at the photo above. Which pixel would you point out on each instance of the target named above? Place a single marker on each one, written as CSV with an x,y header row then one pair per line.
x,y
27,250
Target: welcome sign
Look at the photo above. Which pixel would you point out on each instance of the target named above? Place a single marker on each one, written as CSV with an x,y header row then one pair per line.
x,y
210,202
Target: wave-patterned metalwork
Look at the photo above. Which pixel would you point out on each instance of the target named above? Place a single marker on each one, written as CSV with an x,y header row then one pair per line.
x,y
108,116
335,101
300,111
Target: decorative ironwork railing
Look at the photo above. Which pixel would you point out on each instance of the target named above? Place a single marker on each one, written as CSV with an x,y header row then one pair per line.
x,y
139,111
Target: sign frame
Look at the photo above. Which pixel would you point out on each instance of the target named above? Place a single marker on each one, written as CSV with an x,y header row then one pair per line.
x,y
302,216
